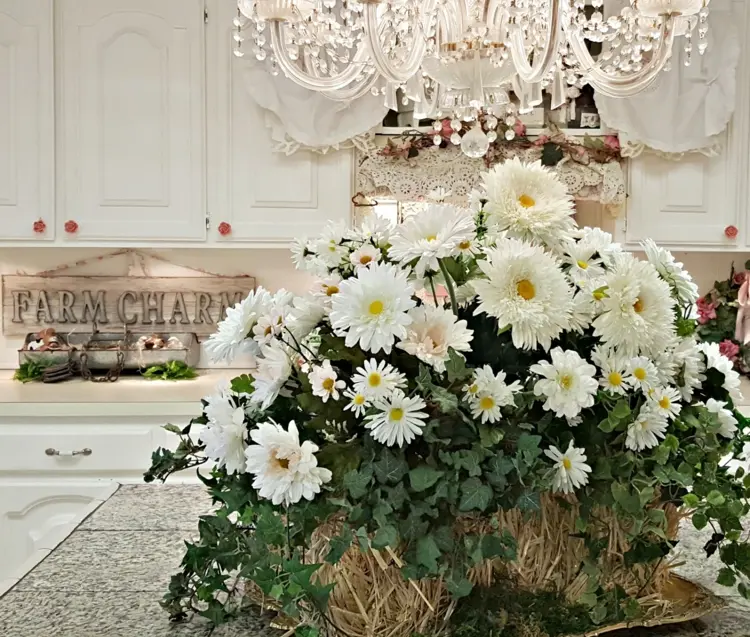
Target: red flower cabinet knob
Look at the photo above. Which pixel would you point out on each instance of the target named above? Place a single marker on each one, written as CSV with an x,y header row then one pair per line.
x,y
39,226
225,229
71,227
731,232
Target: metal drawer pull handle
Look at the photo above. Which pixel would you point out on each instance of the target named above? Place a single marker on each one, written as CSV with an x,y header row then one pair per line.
x,y
68,454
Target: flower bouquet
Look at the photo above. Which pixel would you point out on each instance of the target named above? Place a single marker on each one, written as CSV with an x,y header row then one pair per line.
x,y
516,462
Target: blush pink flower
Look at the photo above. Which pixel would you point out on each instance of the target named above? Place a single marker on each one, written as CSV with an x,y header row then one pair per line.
x,y
447,129
739,278
730,349
519,128
612,142
706,310
541,140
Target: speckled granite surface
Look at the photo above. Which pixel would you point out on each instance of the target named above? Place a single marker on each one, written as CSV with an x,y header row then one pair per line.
x,y
107,578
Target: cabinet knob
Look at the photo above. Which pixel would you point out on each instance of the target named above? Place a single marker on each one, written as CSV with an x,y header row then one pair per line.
x,y
225,229
71,227
731,232
68,454
39,226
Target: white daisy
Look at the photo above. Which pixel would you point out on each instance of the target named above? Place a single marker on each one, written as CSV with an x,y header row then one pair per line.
x,y
490,394
232,336
587,304
305,316
357,404
690,367
375,228
596,240
726,417
529,202
365,256
671,271
399,419
526,290
433,331
330,247
225,441
569,383
665,401
371,309
325,382
571,470
285,471
716,360
614,375
642,374
637,313
431,235
274,370
306,259
377,379
584,264
646,430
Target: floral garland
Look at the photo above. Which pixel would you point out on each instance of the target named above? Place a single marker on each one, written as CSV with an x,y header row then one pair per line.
x,y
719,319
553,147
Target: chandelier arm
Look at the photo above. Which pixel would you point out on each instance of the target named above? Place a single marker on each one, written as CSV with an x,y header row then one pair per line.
x,y
397,75
537,72
626,86
353,92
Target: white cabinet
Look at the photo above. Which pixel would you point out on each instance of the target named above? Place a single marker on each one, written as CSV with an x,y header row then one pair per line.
x,y
131,119
263,196
26,120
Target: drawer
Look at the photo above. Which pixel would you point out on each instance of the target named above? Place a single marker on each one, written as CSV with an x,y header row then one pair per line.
x,y
86,449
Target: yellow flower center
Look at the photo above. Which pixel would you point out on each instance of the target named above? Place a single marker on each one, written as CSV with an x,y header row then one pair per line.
x,y
365,259
582,264
464,245
359,399
526,201
376,308
566,381
269,331
526,289
282,462
599,295
328,384
331,289
615,379
332,247
643,424
397,413
474,389
486,403
432,237
374,379
638,306
665,403
567,463
640,373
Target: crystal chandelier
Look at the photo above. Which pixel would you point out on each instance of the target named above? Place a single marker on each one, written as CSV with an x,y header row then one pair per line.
x,y
460,58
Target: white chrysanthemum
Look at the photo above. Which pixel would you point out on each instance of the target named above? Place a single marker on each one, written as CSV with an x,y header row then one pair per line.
x,y
646,431
374,228
465,294
637,311
305,258
716,360
325,382
587,304
665,401
225,432
614,374
273,321
526,290
429,236
329,247
529,202
433,331
726,417
274,369
358,402
690,367
365,256
377,379
671,271
571,470
489,393
642,374
399,420
585,266
665,362
371,310
232,336
285,471
569,383
305,316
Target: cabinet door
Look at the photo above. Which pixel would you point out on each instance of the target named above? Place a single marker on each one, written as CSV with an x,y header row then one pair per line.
x,y
686,203
265,196
131,82
26,120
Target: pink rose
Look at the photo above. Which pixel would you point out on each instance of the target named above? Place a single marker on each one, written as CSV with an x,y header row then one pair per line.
x,y
706,310
519,128
739,278
730,349
447,129
541,140
612,142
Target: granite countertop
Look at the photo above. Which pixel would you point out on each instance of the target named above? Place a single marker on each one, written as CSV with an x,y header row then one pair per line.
x,y
107,578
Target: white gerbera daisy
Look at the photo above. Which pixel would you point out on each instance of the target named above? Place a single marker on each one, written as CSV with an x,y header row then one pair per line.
x,y
726,417
642,374
325,382
569,383
375,228
274,370
665,401
371,309
595,239
571,470
305,316
285,471
377,379
637,311
489,393
365,256
526,290
399,419
330,247
468,248
430,236
671,271
433,331
690,367
614,377
646,430
584,264
716,360
357,404
306,259
587,304
232,336
225,441
529,202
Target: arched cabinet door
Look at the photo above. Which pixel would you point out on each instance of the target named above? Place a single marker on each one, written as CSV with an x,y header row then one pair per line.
x,y
131,118
27,120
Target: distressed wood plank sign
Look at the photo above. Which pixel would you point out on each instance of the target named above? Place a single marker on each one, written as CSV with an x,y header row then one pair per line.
x,y
142,304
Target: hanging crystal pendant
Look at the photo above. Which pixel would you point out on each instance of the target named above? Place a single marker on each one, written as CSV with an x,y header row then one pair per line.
x,y
475,143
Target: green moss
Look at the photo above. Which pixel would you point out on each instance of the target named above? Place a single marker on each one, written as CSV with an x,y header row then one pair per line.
x,y
31,371
173,370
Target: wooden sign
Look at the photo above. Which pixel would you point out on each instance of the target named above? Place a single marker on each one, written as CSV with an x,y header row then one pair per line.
x,y
142,304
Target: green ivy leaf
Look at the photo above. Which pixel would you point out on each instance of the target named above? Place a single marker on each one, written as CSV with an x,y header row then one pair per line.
x,y
242,384
699,521
338,545
391,467
447,402
529,500
357,483
423,477
474,495
726,577
456,367
715,498
385,536
428,553
173,429
458,585
530,445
